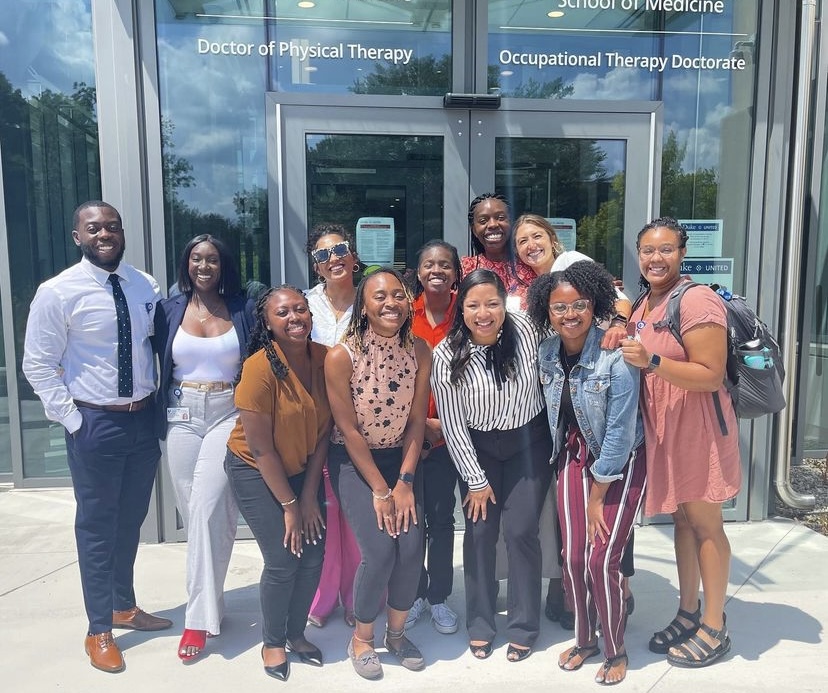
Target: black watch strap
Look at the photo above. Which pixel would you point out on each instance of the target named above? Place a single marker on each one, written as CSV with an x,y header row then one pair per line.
x,y
407,477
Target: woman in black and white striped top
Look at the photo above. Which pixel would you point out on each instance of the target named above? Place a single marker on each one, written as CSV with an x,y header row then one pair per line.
x,y
486,386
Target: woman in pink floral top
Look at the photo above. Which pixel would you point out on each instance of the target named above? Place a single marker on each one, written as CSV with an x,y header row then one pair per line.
x,y
491,238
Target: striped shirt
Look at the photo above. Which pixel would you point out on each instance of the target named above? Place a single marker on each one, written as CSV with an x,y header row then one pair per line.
x,y
476,402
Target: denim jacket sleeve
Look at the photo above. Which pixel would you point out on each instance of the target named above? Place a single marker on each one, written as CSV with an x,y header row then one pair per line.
x,y
621,419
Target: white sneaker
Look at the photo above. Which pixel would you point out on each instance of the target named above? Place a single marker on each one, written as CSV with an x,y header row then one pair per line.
x,y
414,613
443,618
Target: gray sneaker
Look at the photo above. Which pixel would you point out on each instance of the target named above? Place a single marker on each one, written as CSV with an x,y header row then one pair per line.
x,y
443,618
417,609
367,665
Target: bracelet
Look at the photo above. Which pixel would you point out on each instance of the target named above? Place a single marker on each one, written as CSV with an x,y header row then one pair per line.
x,y
382,498
623,319
290,502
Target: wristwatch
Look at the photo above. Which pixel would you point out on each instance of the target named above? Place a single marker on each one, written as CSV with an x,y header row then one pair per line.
x,y
654,362
407,478
427,445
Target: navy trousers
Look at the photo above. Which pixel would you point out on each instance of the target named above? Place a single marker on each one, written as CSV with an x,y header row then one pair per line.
x,y
113,459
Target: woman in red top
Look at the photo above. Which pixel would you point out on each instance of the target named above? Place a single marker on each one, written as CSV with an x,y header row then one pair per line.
x,y
490,226
435,291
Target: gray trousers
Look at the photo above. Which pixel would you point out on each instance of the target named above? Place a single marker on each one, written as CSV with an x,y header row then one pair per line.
x,y
195,452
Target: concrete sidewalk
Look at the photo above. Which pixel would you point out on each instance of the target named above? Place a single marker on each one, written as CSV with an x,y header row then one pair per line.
x,y
778,603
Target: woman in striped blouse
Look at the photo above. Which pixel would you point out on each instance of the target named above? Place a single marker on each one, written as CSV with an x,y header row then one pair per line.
x,y
486,386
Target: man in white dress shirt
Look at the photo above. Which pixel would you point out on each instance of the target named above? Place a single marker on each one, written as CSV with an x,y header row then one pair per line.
x,y
88,357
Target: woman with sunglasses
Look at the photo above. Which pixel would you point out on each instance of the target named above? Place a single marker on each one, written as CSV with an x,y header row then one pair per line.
x,y
331,302
592,404
377,380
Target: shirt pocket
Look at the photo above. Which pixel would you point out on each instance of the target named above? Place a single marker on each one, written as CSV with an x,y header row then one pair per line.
x,y
595,389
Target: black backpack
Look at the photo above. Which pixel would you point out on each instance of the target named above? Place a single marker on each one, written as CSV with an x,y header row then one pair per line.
x,y
755,372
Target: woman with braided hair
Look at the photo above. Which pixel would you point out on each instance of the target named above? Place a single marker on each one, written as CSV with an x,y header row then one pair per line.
x,y
490,231
274,463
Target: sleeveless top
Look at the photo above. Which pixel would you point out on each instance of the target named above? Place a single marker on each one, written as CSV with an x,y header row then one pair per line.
x,y
382,387
206,359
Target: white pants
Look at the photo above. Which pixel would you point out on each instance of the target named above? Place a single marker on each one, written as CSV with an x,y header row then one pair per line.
x,y
195,452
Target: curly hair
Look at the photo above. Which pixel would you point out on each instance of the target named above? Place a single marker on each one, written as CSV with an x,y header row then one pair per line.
x,y
261,338
355,332
328,229
417,287
501,355
588,278
660,222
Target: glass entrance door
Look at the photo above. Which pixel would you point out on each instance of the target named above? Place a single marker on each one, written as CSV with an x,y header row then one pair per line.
x,y
407,175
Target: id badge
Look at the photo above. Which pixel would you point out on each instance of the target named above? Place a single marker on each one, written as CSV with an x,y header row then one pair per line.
x,y
178,414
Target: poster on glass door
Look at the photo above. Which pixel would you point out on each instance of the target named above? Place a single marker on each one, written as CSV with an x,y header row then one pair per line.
x,y
375,240
565,230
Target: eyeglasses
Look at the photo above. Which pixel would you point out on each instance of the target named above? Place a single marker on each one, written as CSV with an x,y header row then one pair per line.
x,y
340,249
579,306
664,251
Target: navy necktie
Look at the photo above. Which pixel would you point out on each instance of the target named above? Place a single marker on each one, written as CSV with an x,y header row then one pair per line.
x,y
124,338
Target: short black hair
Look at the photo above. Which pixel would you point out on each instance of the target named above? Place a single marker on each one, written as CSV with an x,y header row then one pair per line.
x,y
91,203
229,283
588,278
417,287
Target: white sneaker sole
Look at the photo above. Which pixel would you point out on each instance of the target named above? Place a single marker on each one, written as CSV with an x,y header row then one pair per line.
x,y
445,630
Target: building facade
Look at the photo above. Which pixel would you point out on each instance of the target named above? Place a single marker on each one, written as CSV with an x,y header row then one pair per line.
x,y
254,120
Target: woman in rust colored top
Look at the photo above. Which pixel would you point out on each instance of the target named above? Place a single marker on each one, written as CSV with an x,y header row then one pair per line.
x,y
274,463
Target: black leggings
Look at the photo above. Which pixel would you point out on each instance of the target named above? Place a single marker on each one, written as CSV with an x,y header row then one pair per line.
x,y
389,563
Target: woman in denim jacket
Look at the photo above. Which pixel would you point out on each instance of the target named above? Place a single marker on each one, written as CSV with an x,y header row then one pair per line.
x,y
592,403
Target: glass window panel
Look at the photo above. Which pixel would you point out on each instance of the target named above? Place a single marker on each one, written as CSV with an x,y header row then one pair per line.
x,y
571,178
565,50
392,177
51,163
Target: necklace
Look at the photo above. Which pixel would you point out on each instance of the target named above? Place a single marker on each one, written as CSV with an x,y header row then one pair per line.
x,y
199,314
338,312
569,361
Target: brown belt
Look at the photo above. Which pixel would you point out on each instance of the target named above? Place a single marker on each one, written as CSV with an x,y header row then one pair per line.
x,y
214,386
130,407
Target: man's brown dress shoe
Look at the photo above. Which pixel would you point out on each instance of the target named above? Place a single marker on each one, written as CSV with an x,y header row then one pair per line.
x,y
135,619
104,653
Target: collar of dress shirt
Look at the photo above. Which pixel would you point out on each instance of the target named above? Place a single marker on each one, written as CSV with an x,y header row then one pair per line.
x,y
101,275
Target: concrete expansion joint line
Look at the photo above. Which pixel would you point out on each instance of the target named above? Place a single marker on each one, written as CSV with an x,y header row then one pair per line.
x,y
38,578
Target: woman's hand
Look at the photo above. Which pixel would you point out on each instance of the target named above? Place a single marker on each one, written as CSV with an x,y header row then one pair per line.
x,y
634,353
475,503
312,522
293,528
385,514
613,337
597,530
405,511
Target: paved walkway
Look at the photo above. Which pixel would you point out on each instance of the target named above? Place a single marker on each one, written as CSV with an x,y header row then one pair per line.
x,y
777,608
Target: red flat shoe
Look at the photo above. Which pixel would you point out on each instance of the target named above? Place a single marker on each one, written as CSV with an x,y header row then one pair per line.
x,y
191,638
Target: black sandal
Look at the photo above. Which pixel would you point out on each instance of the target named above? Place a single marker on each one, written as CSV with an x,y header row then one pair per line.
x,y
481,651
517,654
583,652
696,652
608,664
676,632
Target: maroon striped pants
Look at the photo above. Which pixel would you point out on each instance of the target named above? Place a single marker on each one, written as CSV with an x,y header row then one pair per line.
x,y
592,574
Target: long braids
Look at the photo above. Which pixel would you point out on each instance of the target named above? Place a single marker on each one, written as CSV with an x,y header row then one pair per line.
x,y
261,339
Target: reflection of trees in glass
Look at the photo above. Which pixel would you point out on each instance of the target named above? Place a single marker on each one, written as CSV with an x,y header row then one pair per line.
x,y
601,235
426,76
51,164
690,194
532,89
246,236
381,170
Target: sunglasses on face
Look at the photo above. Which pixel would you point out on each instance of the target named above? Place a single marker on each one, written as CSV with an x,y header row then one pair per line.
x,y
324,254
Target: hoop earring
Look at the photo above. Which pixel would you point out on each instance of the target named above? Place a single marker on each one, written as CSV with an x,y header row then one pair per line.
x,y
356,268
320,278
